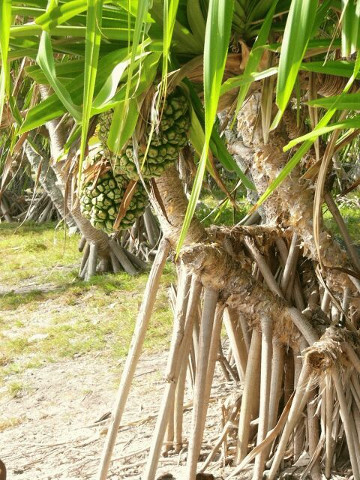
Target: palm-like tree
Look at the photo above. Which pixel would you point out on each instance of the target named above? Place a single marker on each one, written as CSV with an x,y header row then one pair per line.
x,y
271,64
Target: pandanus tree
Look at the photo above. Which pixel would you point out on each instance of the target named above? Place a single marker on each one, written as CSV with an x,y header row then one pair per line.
x,y
284,74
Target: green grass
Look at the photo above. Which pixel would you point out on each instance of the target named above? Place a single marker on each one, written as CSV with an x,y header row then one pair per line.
x,y
215,210
350,212
47,313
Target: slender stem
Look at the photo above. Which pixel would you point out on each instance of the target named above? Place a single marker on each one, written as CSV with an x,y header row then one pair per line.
x,y
84,260
91,270
348,424
199,410
299,430
325,302
263,266
250,395
137,342
290,265
237,343
177,359
313,435
266,353
115,262
303,325
179,410
123,259
298,295
302,394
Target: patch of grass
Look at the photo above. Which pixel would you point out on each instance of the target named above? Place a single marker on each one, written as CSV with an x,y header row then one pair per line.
x,y
15,389
47,313
11,422
35,251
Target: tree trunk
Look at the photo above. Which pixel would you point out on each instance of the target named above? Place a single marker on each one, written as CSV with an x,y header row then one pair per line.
x,y
48,181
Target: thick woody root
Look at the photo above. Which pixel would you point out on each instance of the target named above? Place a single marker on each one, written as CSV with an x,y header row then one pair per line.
x,y
129,252
286,360
281,416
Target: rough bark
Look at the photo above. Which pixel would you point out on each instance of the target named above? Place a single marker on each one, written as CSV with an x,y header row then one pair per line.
x,y
171,211
57,142
291,205
48,181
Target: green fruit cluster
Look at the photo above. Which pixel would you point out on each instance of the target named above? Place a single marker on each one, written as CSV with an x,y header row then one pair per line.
x,y
100,201
165,143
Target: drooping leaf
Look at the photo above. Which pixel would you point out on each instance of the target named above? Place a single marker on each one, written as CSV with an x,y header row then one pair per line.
x,y
350,31
60,14
52,107
298,30
350,101
242,80
31,29
338,68
140,26
255,55
353,122
130,119
217,36
5,23
196,19
92,48
45,60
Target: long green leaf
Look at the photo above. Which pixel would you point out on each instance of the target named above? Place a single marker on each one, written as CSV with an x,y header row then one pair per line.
x,y
110,87
128,125
116,126
5,22
52,106
68,31
339,68
60,14
298,29
45,60
242,80
353,122
217,144
170,11
255,56
217,37
92,48
350,101
64,70
350,27
196,19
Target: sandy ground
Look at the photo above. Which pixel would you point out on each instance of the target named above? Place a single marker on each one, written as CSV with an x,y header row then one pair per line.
x,y
60,436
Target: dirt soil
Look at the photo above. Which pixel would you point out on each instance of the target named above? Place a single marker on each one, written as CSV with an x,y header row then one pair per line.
x,y
61,434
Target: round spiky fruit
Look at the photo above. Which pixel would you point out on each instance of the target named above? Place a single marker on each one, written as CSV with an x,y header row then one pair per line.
x,y
101,199
166,142
104,126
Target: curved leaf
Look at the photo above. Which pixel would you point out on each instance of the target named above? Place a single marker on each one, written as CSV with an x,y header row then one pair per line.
x,y
92,48
45,60
218,28
5,22
298,30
